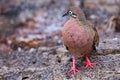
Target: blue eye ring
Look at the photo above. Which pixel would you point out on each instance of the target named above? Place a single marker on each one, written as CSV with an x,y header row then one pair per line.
x,y
70,12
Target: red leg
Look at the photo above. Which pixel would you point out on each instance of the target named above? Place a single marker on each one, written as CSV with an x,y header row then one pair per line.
x,y
88,62
74,69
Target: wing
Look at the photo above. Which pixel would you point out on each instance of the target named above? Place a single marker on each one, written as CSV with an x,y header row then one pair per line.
x,y
66,47
96,39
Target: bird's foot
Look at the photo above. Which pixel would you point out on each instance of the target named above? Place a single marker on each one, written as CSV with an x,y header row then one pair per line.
x,y
88,62
74,69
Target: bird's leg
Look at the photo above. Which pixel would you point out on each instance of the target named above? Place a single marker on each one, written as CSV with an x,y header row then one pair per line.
x,y
74,69
88,62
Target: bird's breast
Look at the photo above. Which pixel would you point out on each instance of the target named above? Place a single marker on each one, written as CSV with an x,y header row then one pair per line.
x,y
76,37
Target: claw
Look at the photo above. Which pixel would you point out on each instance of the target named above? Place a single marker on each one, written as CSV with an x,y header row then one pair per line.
x,y
74,69
88,62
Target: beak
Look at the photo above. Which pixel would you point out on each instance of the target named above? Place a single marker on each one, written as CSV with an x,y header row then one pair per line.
x,y
64,14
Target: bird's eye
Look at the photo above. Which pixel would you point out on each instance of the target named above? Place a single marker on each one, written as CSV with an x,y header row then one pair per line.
x,y
70,12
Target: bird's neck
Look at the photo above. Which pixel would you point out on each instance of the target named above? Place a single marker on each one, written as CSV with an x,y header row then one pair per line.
x,y
82,19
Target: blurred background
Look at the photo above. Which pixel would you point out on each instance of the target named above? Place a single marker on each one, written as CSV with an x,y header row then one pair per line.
x,y
26,24
35,26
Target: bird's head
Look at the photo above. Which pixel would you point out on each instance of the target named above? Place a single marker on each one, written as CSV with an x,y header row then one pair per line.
x,y
75,12
71,13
